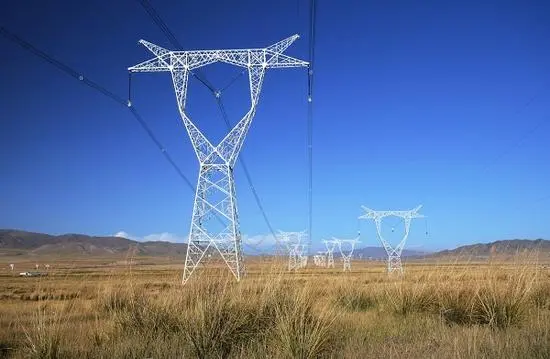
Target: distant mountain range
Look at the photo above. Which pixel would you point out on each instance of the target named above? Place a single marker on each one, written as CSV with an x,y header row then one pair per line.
x,y
505,247
16,242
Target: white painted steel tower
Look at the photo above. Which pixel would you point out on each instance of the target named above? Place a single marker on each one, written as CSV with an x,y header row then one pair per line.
x,y
297,249
346,254
394,253
330,245
215,221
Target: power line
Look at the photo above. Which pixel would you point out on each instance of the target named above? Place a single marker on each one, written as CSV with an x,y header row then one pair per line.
x,y
161,24
524,137
218,96
77,75
516,144
26,45
247,174
172,39
312,20
527,134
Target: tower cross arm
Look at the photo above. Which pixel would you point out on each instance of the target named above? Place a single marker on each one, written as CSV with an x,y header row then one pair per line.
x,y
354,240
372,214
161,61
257,57
414,213
282,45
268,57
157,64
279,60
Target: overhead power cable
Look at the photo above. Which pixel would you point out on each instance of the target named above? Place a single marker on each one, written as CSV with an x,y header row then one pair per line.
x,y
172,38
526,134
312,23
218,96
79,76
518,143
248,177
63,67
521,140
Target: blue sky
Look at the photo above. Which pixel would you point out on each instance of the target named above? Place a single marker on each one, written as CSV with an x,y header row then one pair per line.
x,y
440,103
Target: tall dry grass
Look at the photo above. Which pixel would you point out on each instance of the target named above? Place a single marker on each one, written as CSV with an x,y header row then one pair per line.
x,y
489,312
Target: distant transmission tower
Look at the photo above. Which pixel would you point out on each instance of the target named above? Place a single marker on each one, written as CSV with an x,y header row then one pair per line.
x,y
320,259
297,249
394,253
214,222
330,245
346,255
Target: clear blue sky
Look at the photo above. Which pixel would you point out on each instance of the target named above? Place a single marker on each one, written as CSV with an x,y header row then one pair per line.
x,y
424,102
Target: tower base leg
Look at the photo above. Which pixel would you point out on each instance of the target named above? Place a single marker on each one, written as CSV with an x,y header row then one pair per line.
x,y
347,264
214,224
394,265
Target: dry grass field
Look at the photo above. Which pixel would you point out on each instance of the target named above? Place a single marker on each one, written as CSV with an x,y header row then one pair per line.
x,y
113,309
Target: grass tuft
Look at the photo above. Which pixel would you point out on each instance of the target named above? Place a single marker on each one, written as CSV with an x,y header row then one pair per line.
x,y
540,295
355,299
43,338
300,331
404,298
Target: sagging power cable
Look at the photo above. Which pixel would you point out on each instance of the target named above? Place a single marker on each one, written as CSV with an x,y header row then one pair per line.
x,y
312,27
79,76
218,96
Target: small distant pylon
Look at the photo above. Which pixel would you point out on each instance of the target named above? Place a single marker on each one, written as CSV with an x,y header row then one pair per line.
x,y
320,259
330,245
297,249
394,253
346,255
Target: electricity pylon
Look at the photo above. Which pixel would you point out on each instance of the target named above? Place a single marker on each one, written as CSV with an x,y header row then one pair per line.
x,y
297,249
214,222
346,257
394,253
317,260
330,245
320,259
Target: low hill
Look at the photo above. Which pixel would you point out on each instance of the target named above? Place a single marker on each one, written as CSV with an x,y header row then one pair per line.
x,y
15,242
504,247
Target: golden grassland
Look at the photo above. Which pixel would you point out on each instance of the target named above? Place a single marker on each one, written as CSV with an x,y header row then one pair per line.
x,y
139,309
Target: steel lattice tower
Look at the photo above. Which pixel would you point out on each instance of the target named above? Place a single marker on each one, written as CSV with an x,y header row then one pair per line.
x,y
330,245
215,222
394,253
297,249
320,259
346,257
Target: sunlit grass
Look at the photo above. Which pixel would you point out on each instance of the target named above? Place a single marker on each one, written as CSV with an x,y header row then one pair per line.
x,y
489,311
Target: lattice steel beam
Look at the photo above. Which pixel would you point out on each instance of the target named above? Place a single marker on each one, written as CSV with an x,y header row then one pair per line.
x,y
214,222
346,255
297,249
394,253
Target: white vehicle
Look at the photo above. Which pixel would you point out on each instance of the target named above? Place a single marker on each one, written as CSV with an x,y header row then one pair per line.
x,y
32,274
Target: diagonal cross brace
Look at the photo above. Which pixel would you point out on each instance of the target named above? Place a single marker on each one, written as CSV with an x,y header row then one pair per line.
x,y
215,192
378,216
180,63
